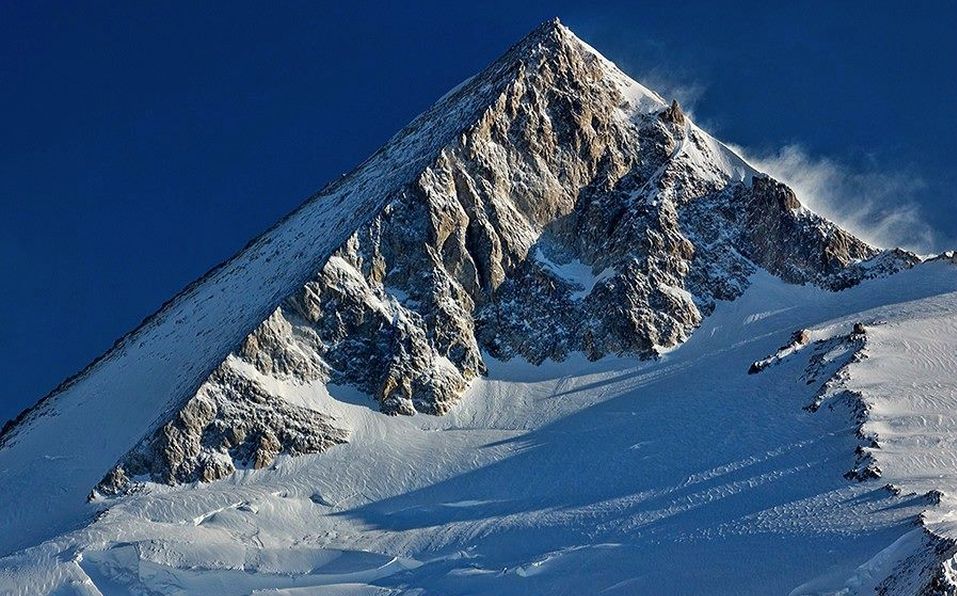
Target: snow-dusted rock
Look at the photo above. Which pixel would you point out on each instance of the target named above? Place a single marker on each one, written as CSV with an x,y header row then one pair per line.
x,y
231,422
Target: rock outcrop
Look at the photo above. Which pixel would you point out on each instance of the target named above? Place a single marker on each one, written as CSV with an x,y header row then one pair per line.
x,y
231,422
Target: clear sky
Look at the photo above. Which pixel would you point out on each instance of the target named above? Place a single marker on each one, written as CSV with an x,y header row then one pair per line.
x,y
143,145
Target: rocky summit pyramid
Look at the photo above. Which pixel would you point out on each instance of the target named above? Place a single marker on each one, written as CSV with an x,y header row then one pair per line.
x,y
547,209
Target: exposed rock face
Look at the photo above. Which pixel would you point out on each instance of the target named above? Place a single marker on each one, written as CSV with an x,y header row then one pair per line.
x,y
795,248
929,571
579,213
798,340
231,422
673,114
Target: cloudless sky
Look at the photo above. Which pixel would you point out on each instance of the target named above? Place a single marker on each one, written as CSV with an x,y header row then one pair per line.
x,y
141,145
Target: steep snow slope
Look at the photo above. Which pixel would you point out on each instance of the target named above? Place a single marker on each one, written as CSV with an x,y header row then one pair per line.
x,y
682,475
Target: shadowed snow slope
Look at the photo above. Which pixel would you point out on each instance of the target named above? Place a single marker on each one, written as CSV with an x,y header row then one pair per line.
x,y
561,283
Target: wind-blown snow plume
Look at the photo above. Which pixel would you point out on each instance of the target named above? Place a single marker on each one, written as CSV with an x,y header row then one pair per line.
x,y
875,205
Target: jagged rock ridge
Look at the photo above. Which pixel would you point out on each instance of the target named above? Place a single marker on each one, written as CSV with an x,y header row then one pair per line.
x,y
579,213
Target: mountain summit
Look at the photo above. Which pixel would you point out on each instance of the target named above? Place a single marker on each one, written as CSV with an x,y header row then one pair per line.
x,y
549,209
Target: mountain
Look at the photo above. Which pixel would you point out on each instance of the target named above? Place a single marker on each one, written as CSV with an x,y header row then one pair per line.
x,y
510,352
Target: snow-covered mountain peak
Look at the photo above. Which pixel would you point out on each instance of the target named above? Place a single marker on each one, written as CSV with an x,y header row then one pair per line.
x,y
548,209
577,212
548,205
554,47
551,44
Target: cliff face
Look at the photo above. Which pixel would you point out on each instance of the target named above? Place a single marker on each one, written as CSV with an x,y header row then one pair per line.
x,y
578,213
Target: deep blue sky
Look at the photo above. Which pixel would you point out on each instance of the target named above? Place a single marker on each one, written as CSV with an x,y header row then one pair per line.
x,y
142,145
